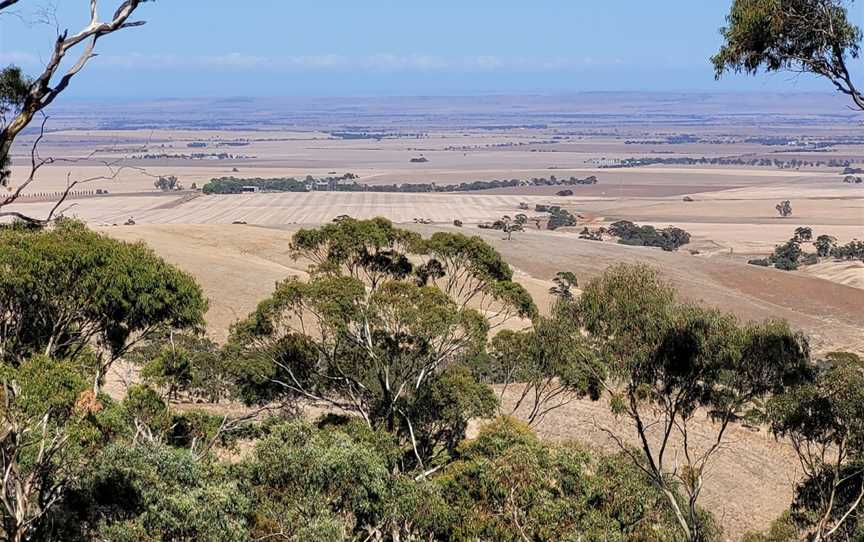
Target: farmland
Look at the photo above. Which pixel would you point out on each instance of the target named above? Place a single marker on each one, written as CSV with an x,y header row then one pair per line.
x,y
237,245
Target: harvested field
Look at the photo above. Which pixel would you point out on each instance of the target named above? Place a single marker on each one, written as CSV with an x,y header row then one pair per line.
x,y
731,218
848,273
292,208
238,266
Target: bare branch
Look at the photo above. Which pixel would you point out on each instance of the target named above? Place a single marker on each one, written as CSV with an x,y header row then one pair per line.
x,y
41,93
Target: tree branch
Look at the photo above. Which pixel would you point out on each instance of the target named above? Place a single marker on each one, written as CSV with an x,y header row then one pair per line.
x,y
41,93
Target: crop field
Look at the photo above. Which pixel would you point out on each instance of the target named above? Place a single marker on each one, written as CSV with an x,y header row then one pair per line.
x,y
237,246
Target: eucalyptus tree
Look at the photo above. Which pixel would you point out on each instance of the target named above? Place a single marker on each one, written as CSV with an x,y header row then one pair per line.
x,y
798,36
670,363
545,366
71,303
824,421
384,319
23,97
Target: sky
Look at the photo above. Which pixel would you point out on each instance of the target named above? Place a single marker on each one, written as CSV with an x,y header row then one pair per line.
x,y
221,48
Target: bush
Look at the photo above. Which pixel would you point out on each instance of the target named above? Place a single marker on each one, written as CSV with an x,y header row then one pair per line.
x,y
810,259
786,264
761,262
628,233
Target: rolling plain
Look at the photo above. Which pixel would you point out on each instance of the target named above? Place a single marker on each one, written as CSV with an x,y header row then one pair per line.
x,y
237,246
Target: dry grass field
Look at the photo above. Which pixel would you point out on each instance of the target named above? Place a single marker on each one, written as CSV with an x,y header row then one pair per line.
x,y
731,217
238,265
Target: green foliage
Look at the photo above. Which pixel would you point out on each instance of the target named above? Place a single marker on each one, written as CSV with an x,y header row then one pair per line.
x,y
231,185
374,334
824,245
508,486
371,249
783,529
564,281
824,419
841,358
52,424
799,35
548,365
181,363
803,234
167,183
63,288
153,493
440,412
674,359
14,87
71,302
146,409
628,309
698,356
336,483
560,218
853,250
379,349
787,256
669,239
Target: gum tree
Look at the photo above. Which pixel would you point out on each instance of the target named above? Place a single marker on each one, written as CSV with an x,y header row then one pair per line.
x,y
379,329
824,421
71,303
798,36
670,363
23,97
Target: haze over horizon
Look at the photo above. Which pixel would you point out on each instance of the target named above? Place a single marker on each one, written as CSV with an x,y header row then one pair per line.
x,y
389,48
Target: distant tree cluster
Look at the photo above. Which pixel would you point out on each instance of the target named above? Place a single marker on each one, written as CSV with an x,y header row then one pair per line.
x,y
507,224
754,161
790,255
168,183
797,143
232,185
853,250
378,136
592,235
628,233
558,217
191,156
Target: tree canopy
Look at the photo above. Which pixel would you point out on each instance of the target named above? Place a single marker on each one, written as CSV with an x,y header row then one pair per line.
x,y
67,289
800,36
381,328
668,361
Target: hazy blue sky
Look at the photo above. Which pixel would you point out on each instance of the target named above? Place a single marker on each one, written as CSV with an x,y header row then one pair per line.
x,y
390,47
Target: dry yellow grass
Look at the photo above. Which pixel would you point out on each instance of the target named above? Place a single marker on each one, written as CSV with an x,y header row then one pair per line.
x,y
239,265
